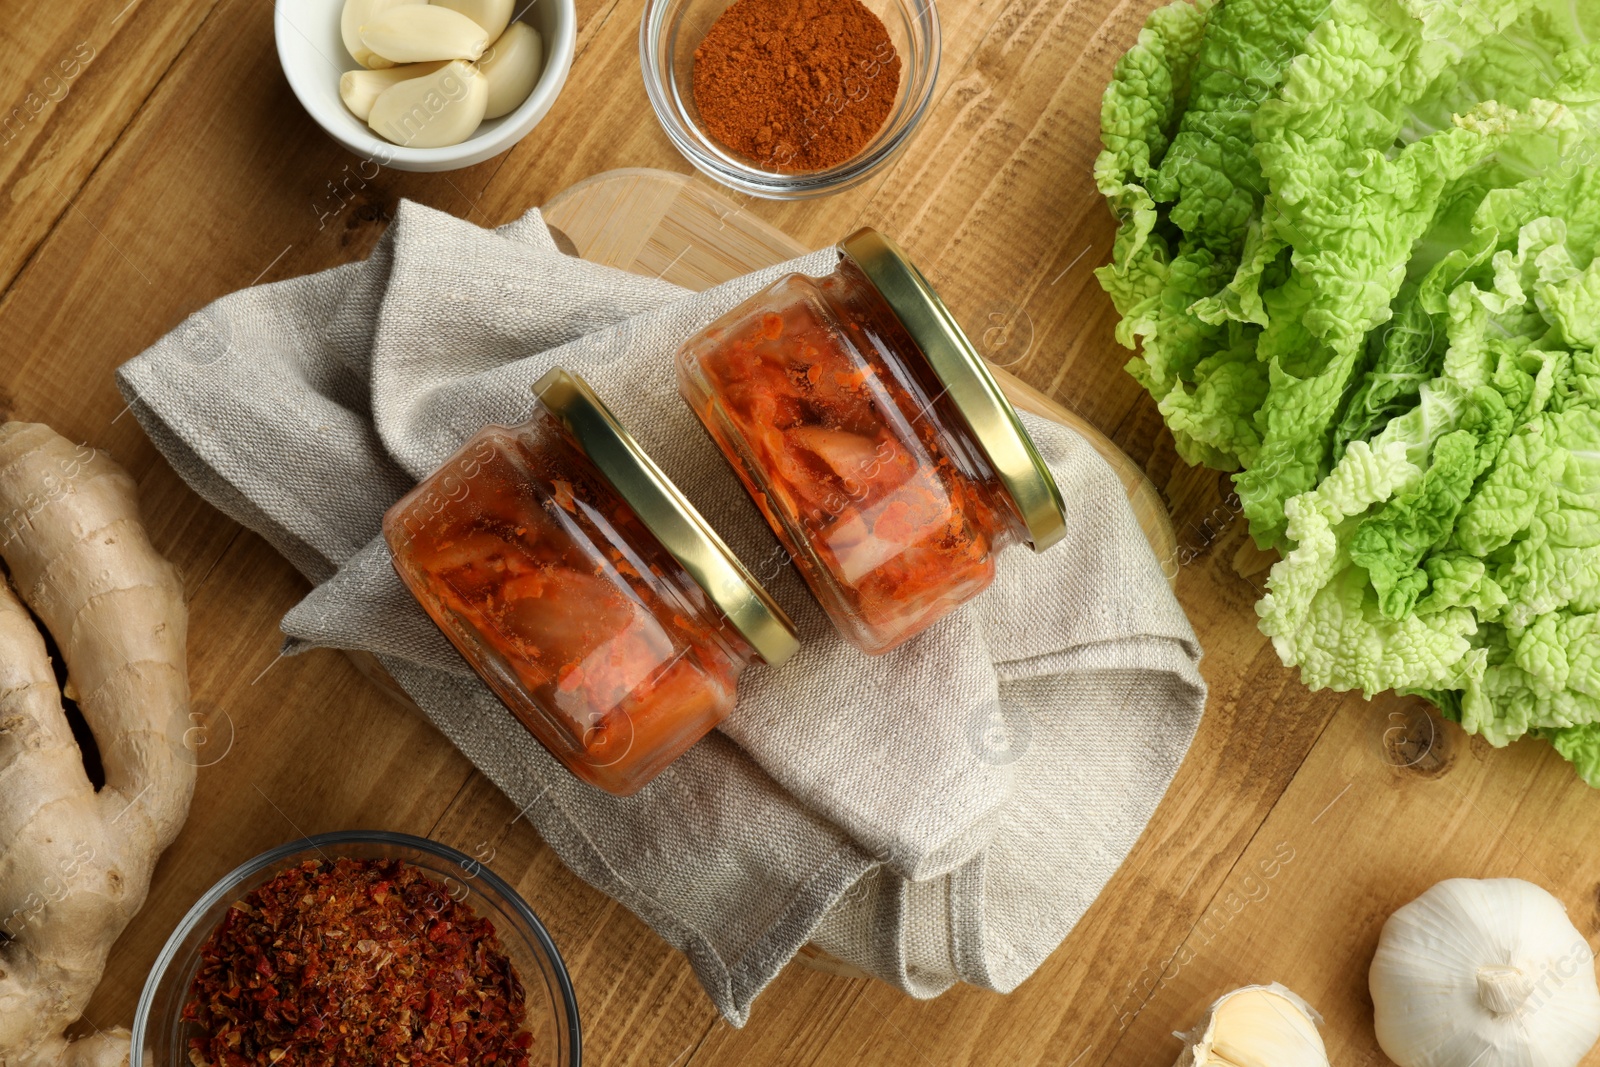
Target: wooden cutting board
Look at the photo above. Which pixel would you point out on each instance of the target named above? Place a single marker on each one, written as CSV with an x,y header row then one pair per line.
x,y
671,226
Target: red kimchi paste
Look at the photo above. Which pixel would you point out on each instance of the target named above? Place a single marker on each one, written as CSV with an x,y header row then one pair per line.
x,y
548,583
831,418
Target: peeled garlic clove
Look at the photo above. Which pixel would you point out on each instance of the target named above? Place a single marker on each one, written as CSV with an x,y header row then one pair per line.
x,y
435,110
1257,1026
513,67
355,14
417,33
360,89
492,15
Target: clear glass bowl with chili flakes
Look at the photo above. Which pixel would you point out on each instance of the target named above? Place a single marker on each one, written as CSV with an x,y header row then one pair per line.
x,y
672,30
465,919
873,439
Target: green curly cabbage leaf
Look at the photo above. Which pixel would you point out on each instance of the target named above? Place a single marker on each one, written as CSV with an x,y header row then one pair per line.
x,y
1359,256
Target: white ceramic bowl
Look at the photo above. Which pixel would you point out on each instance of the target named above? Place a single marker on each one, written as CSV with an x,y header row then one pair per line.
x,y
313,58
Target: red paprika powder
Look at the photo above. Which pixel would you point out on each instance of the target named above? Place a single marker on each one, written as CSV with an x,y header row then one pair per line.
x,y
796,85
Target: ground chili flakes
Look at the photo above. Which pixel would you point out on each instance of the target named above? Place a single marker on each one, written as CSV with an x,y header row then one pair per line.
x,y
355,962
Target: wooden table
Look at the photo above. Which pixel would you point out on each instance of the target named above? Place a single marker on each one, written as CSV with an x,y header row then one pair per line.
x,y
155,159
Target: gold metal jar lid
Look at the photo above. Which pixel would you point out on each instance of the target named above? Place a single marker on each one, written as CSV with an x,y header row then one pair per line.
x,y
967,381
668,515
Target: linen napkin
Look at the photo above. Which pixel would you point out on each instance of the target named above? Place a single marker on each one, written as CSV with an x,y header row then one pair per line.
x,y
942,813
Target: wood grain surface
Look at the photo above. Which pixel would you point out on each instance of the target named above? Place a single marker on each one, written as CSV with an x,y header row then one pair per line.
x,y
176,166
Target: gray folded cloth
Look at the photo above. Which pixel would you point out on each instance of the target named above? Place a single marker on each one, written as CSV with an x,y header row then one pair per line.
x,y
942,813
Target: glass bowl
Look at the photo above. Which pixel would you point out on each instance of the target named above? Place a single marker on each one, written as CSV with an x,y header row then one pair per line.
x,y
672,29
159,1033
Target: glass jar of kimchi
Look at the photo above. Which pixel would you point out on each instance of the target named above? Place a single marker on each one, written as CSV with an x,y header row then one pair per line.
x,y
589,594
873,438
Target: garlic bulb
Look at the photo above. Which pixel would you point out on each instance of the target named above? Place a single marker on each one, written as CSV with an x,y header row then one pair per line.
x,y
1257,1026
1489,973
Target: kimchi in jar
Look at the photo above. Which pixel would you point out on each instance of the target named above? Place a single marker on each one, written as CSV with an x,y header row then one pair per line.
x,y
873,439
588,593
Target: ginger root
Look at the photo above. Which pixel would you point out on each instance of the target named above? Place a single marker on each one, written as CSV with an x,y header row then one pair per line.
x,y
75,864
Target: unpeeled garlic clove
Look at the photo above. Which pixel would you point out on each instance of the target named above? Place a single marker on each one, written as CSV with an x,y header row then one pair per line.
x,y
356,13
360,89
1257,1026
513,67
417,33
435,110
492,15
